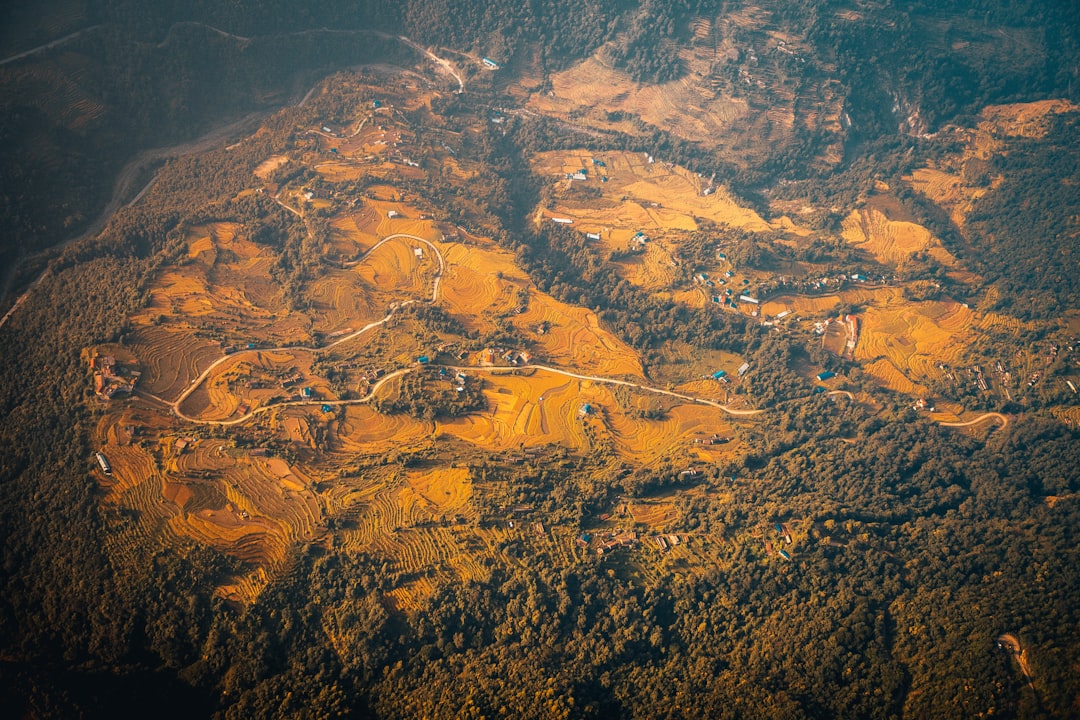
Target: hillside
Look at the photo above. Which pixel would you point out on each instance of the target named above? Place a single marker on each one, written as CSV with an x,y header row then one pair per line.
x,y
700,360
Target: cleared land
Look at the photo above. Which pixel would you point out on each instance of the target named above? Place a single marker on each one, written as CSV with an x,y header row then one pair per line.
x,y
276,437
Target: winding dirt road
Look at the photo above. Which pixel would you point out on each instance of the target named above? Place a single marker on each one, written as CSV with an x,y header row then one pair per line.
x,y
197,382
985,416
175,405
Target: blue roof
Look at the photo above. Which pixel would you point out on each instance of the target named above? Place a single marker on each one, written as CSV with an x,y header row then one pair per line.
x,y
784,554
719,374
327,408
423,359
306,392
826,375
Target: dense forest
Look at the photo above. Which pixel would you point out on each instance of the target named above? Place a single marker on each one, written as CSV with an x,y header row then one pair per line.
x,y
915,546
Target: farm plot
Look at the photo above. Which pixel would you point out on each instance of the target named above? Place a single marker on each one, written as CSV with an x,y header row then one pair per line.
x,y
170,359
445,489
251,508
651,268
237,272
645,196
479,285
266,168
657,514
482,283
574,338
813,305
354,232
340,300
365,431
884,372
248,378
891,242
914,337
396,270
689,110
947,190
226,288
946,182
537,410
646,441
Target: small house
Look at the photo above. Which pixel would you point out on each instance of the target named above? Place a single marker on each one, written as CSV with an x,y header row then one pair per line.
x,y
828,374
743,369
490,64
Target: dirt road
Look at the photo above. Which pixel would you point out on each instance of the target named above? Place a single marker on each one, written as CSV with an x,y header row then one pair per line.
x,y
985,416
49,45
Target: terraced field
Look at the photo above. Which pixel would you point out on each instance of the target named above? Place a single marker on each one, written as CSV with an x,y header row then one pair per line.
x,y
169,358
947,190
914,337
533,410
890,378
647,441
657,514
341,300
363,430
810,305
396,270
575,338
643,195
891,242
